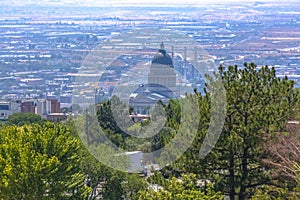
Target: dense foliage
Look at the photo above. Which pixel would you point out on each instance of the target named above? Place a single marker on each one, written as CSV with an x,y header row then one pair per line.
x,y
258,104
21,119
185,187
40,162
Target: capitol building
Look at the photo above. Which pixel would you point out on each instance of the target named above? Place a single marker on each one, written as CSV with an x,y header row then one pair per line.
x,y
161,84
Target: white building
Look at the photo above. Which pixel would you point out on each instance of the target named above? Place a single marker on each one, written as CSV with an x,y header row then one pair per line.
x,y
8,108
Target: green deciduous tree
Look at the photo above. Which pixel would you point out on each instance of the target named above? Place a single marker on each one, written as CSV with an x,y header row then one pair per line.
x,y
108,183
105,167
40,162
21,119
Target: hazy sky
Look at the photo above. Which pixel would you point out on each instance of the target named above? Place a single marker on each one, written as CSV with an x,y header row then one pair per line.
x,y
124,2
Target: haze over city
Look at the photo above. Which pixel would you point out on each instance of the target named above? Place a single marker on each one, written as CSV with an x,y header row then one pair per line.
x,y
134,2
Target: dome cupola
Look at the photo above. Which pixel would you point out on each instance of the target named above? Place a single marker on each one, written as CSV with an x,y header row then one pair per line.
x,y
162,57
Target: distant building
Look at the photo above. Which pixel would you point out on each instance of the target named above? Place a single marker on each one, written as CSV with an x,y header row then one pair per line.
x,y
139,117
136,161
162,78
28,107
161,84
8,108
42,107
55,106
143,102
57,117
138,165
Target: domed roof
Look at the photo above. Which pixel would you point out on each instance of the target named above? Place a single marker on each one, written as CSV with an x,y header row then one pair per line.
x,y
162,57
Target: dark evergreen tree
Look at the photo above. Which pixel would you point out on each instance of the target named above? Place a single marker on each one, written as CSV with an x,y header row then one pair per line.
x,y
258,103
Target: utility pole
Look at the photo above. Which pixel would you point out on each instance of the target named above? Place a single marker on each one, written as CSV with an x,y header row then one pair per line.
x,y
87,127
185,63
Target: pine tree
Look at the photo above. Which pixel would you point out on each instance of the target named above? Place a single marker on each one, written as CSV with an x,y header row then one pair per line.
x,y
258,103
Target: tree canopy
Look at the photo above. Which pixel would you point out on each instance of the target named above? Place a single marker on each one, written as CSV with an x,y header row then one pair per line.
x,y
40,162
185,187
258,104
21,119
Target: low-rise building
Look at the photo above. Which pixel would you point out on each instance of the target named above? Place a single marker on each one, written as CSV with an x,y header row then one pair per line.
x,y
42,107
8,108
28,106
57,117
